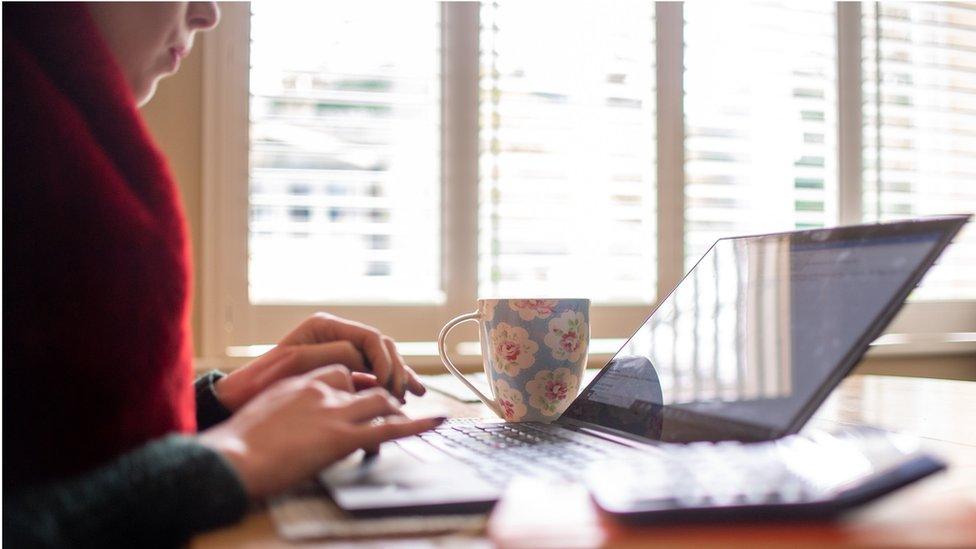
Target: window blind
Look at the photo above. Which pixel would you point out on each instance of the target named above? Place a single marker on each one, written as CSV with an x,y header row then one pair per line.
x,y
919,64
344,153
760,119
567,163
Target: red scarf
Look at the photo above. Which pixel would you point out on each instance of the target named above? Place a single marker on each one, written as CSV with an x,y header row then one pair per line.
x,y
96,261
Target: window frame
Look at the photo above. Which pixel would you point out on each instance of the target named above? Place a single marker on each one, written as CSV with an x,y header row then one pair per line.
x,y
228,318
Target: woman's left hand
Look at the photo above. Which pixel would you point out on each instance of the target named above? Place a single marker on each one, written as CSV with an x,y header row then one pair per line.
x,y
324,340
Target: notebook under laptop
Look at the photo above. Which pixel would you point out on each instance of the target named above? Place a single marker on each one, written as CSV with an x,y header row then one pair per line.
x,y
746,347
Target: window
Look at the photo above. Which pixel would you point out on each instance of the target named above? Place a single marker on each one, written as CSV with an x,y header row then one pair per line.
x,y
920,126
760,152
394,169
344,154
566,186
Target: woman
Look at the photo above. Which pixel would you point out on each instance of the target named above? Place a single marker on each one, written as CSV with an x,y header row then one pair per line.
x,y
107,441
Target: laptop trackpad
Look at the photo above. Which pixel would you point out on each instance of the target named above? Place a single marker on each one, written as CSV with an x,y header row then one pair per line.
x,y
396,482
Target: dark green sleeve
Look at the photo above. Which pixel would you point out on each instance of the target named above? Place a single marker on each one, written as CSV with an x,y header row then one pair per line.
x,y
209,409
156,496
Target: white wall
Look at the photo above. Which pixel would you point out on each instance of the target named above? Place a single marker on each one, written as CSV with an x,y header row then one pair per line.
x,y
175,119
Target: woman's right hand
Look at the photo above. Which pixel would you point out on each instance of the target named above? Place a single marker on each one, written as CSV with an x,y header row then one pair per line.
x,y
306,423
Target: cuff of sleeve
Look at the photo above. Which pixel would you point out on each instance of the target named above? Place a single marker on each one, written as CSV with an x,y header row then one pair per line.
x,y
157,495
210,491
209,409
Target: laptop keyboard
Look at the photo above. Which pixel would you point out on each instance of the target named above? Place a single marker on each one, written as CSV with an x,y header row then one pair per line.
x,y
500,451
672,475
723,473
792,470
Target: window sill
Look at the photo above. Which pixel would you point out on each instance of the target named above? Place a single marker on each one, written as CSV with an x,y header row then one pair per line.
x,y
903,349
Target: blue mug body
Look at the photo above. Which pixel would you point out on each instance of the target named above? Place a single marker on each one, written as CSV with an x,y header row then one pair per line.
x,y
534,353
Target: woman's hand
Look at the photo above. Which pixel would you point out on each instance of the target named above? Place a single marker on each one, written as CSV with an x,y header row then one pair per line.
x,y
305,423
323,340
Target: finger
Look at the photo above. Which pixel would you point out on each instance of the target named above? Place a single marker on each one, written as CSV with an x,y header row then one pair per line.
x,y
398,378
378,356
325,327
374,434
368,405
367,339
314,329
336,376
362,381
305,358
413,382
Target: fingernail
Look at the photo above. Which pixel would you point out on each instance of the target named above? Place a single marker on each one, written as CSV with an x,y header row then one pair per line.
x,y
438,420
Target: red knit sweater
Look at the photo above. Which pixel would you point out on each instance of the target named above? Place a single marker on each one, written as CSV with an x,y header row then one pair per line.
x,y
96,348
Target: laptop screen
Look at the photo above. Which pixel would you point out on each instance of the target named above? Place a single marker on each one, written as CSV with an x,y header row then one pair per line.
x,y
753,335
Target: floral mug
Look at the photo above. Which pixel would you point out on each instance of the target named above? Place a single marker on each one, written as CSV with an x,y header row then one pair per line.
x,y
534,353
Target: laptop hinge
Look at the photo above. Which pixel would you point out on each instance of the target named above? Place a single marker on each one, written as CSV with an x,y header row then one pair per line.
x,y
626,439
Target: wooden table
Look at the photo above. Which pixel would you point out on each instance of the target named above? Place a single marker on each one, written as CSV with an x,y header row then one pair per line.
x,y
938,511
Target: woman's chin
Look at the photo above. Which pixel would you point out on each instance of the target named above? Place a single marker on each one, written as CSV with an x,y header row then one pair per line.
x,y
143,96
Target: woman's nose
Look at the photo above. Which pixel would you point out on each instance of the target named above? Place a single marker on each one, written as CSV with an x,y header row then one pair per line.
x,y
202,15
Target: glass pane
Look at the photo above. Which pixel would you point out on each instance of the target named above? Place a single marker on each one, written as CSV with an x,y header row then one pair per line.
x,y
567,192
922,58
344,149
760,119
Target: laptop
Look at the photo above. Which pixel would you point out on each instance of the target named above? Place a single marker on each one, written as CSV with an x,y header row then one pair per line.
x,y
745,348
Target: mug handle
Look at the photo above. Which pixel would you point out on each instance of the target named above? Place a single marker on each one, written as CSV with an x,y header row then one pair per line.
x,y
490,403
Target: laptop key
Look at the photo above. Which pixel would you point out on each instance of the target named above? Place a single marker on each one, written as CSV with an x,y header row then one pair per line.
x,y
499,451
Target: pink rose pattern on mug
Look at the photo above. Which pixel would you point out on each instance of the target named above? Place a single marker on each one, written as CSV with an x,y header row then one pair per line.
x,y
535,353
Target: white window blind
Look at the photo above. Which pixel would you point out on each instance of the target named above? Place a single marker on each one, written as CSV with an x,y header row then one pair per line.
x,y
567,166
344,153
920,125
760,119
